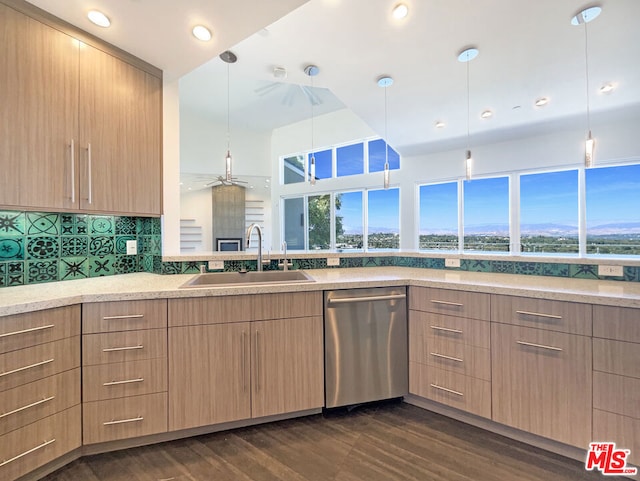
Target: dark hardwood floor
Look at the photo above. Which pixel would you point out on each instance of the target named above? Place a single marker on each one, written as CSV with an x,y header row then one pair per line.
x,y
393,441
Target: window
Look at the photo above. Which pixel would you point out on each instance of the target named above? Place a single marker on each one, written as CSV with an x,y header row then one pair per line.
x,y
486,215
293,225
350,160
549,212
438,216
377,156
349,220
319,215
293,169
383,214
613,210
324,164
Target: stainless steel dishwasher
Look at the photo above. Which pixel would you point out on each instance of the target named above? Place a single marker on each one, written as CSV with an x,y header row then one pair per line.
x,y
365,335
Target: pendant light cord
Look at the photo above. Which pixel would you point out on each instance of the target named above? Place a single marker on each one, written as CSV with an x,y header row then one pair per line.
x,y
312,113
468,106
586,67
386,142
228,110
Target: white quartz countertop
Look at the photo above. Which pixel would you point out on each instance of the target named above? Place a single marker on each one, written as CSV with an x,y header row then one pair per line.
x,y
15,300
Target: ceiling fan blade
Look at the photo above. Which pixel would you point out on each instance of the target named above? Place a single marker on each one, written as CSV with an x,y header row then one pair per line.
x,y
265,89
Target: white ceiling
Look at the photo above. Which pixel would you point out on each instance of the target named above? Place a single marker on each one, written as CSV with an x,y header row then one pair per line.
x,y
528,49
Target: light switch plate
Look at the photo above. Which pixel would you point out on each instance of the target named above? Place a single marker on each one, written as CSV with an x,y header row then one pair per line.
x,y
216,265
132,247
452,262
333,261
610,271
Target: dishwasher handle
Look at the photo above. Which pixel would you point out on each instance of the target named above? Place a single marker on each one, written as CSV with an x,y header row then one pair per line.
x,y
348,300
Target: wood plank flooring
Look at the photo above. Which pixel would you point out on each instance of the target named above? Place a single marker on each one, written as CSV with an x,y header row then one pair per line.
x,y
385,442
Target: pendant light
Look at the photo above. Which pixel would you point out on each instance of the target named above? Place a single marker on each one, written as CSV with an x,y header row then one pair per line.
x,y
466,56
384,82
228,57
583,18
312,71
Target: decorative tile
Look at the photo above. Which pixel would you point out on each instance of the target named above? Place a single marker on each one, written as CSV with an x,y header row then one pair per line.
x,y
528,268
102,225
370,262
156,225
172,267
437,263
555,270
42,271
144,226
404,261
350,262
476,265
121,243
40,223
502,267
43,247
387,261
191,267
157,264
156,245
304,264
74,246
583,271
145,263
11,248
102,266
233,266
74,224
3,274
632,274
12,223
126,226
15,273
126,264
73,268
101,246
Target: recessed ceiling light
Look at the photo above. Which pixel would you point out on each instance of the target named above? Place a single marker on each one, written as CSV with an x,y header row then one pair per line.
x,y
607,88
201,33
439,124
99,18
542,101
400,11
486,114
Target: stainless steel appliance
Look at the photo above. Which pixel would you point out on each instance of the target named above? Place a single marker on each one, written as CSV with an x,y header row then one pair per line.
x,y
365,332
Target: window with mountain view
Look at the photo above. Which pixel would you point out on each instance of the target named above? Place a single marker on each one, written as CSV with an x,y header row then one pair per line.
x,y
613,210
349,220
383,214
486,215
549,212
439,216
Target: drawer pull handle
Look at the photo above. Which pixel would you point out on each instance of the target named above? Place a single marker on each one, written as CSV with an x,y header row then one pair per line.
x,y
42,401
539,314
15,458
446,329
24,331
126,348
435,386
447,303
540,346
449,358
41,363
127,381
129,316
123,421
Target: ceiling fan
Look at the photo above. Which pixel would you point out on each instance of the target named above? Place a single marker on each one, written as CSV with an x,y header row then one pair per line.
x,y
222,180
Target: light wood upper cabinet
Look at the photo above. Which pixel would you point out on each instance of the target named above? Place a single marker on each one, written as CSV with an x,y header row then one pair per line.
x,y
80,128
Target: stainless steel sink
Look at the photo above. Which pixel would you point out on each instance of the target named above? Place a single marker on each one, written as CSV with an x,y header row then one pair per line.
x,y
216,279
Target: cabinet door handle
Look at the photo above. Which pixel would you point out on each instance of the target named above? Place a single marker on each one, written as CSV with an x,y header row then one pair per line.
x,y
34,404
447,303
90,182
126,348
123,421
127,381
446,329
127,316
24,331
449,358
15,458
451,391
30,366
257,360
539,314
243,360
540,346
73,171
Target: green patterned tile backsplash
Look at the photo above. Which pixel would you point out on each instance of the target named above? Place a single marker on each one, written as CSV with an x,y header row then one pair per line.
x,y
38,247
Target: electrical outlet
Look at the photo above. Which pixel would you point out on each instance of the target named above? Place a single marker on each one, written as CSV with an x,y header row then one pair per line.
x,y
610,271
132,247
452,262
216,265
333,261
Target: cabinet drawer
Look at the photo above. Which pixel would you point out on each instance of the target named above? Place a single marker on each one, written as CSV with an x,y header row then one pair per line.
x,y
123,346
124,315
621,323
28,403
223,309
470,332
446,387
32,328
32,446
473,305
560,316
124,418
616,394
616,357
467,360
121,379
37,362
622,430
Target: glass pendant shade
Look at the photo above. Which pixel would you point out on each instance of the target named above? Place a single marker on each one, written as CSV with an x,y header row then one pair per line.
x,y
589,147
312,170
468,165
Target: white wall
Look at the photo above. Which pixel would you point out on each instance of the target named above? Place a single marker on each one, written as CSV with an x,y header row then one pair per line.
x,y
198,206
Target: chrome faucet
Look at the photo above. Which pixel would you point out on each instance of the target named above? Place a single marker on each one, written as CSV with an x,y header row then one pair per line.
x,y
285,264
249,232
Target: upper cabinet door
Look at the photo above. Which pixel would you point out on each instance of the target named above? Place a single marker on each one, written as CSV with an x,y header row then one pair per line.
x,y
120,159
39,114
